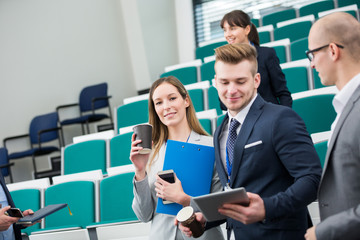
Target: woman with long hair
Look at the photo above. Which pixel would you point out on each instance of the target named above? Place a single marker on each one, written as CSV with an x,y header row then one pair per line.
x,y
172,115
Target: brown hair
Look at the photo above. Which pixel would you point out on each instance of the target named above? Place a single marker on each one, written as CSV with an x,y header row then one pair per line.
x,y
235,53
241,19
160,131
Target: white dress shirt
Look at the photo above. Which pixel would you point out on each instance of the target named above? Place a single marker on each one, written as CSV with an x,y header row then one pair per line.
x,y
341,98
240,117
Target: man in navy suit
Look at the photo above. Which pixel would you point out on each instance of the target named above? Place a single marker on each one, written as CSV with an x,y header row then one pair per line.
x,y
268,151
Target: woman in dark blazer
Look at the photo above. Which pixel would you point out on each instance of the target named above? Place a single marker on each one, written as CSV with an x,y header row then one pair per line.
x,y
238,28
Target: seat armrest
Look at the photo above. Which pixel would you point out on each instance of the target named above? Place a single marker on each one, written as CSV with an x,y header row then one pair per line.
x,y
6,165
93,100
66,106
14,138
45,131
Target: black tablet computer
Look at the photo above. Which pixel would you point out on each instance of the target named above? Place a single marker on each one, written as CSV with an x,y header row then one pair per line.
x,y
208,204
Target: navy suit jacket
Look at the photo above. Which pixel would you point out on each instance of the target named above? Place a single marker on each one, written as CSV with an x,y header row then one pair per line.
x,y
284,170
17,228
273,83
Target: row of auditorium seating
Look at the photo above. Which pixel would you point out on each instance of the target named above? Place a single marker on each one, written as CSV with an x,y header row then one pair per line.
x,y
284,24
96,154
314,106
92,199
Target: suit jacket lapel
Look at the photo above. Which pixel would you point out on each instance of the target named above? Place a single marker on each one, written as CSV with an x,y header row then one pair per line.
x,y
347,109
244,134
7,193
219,165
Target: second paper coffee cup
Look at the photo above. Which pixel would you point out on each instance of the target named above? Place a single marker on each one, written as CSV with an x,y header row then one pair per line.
x,y
186,217
143,132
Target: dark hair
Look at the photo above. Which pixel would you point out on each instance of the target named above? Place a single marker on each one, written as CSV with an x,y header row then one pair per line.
x,y
241,19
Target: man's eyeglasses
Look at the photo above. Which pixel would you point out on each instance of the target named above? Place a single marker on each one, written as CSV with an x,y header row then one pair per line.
x,y
310,53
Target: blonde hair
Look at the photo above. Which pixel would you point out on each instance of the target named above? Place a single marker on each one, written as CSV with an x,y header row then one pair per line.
x,y
237,52
160,131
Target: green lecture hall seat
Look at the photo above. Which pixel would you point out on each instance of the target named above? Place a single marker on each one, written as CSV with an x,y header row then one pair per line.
x,y
343,3
132,113
316,7
281,53
186,75
120,147
256,22
85,156
80,197
220,119
213,99
264,37
197,98
116,196
293,31
321,149
206,124
279,16
207,50
317,81
207,71
27,199
316,111
298,48
296,79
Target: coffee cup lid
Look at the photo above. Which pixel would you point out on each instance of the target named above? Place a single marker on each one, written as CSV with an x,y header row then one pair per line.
x,y
185,213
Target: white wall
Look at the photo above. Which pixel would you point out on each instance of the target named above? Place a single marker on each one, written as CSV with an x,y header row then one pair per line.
x,y
51,49
158,16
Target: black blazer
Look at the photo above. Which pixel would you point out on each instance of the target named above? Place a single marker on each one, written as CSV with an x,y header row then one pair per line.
x,y
274,157
17,228
273,83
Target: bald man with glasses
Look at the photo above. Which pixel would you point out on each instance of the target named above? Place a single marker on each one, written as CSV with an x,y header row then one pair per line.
x,y
334,43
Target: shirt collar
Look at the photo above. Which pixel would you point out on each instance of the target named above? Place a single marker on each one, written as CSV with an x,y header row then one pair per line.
x,y
343,96
240,116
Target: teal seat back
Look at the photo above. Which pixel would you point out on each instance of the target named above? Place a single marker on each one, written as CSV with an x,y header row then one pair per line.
x,y
293,31
316,111
274,18
256,22
214,102
80,197
197,98
186,75
317,80
120,147
85,156
207,71
321,149
298,48
132,114
281,53
220,119
264,37
116,196
296,79
208,50
316,7
206,124
27,199
352,12
343,3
